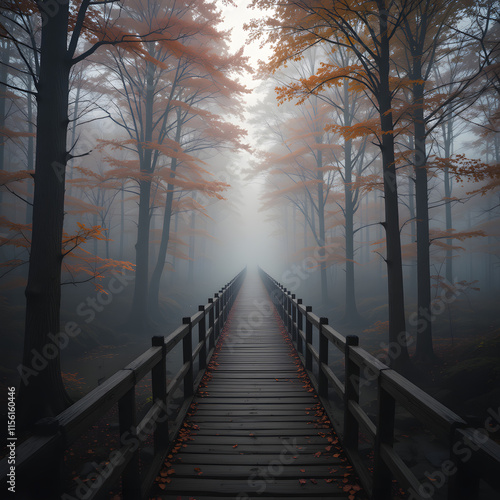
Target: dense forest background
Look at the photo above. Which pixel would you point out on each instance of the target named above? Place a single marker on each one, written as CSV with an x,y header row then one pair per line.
x,y
146,158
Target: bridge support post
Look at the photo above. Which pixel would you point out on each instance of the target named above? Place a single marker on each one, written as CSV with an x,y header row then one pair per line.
x,y
351,393
46,480
159,383
309,338
464,483
294,319
187,357
211,326
223,311
382,476
323,360
283,305
289,326
131,480
217,327
300,346
202,333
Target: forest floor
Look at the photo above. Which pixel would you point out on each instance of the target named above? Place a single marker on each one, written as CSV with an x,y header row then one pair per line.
x,y
465,375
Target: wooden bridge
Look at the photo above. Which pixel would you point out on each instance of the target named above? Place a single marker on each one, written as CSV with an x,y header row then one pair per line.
x,y
256,411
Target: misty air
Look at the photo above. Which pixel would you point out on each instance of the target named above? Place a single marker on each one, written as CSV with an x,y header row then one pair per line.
x,y
249,249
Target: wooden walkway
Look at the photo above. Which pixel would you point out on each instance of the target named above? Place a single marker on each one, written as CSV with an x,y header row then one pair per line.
x,y
256,428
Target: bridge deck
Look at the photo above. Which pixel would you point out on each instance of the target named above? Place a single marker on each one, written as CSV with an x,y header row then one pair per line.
x,y
256,427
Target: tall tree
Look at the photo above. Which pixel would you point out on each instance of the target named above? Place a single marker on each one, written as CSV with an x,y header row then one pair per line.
x,y
368,30
149,91
63,31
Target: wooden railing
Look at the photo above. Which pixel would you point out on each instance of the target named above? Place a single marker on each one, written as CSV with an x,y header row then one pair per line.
x,y
472,454
39,466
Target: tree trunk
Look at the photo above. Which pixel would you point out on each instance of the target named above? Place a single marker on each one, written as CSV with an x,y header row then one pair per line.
x,y
154,287
174,258
448,188
42,391
351,314
139,312
73,133
122,219
5,55
397,323
321,228
413,226
424,350
192,241
30,154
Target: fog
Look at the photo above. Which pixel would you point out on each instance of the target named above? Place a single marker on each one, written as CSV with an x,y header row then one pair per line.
x,y
231,178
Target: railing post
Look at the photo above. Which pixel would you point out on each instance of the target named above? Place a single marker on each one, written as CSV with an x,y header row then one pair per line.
x,y
294,319
382,477
323,359
223,297
187,357
309,337
351,393
300,346
33,484
211,327
131,479
463,484
283,305
159,383
202,333
217,317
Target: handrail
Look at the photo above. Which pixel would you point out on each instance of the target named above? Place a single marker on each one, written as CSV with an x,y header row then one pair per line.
x,y
483,454
39,460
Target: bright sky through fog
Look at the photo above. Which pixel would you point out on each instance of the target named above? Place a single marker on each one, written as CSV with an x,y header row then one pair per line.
x,y
256,229
234,18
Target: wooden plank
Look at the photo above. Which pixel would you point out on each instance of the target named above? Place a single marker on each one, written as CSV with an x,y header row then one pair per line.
x,y
255,412
224,439
145,362
258,459
430,411
279,488
82,414
294,471
301,399
175,337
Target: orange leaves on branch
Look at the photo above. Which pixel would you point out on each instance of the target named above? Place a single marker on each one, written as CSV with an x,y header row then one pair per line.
x,y
20,234
363,129
17,176
437,235
467,169
84,233
367,183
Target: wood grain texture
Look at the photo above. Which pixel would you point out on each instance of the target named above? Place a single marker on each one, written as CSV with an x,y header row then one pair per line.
x,y
256,427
